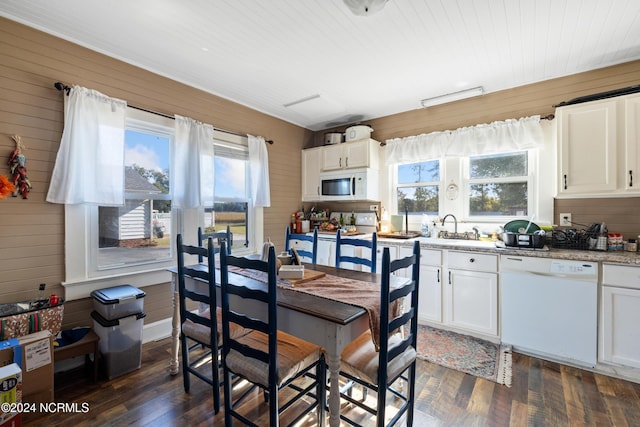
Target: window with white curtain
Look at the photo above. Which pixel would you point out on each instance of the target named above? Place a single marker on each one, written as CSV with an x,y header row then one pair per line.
x,y
232,204
108,246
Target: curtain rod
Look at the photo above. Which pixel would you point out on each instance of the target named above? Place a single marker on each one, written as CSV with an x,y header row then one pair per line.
x,y
63,87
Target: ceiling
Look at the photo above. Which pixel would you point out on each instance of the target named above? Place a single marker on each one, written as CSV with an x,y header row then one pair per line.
x,y
269,54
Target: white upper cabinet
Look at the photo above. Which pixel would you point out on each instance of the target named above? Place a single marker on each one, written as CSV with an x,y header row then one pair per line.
x,y
631,172
598,147
311,174
349,155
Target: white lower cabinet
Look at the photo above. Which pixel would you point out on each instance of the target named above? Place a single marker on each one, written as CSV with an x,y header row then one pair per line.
x,y
430,291
470,296
620,316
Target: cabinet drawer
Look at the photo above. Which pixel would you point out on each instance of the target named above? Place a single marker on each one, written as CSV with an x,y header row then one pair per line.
x,y
621,275
430,257
473,261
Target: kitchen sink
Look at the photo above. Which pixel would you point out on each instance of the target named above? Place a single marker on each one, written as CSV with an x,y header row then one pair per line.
x,y
467,235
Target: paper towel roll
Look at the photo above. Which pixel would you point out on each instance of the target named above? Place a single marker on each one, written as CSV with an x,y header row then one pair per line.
x,y
305,226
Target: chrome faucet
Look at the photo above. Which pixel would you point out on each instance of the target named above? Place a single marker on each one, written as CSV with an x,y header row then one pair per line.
x,y
455,230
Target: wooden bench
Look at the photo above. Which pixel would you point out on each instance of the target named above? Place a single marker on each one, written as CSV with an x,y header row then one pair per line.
x,y
88,344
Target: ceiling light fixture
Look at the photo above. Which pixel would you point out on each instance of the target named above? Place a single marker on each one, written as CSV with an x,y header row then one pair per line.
x,y
454,96
365,7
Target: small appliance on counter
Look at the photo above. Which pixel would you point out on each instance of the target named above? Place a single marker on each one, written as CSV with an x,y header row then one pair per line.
x,y
523,234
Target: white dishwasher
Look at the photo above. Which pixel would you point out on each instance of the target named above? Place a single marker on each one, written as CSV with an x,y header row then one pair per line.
x,y
549,308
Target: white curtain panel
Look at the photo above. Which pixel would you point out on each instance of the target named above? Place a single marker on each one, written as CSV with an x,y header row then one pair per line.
x,y
497,137
259,171
89,167
192,164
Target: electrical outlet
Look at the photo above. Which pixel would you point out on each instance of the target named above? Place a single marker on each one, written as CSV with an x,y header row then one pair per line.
x,y
373,208
565,220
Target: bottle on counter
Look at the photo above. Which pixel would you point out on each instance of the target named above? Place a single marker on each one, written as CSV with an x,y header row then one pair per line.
x,y
341,221
353,219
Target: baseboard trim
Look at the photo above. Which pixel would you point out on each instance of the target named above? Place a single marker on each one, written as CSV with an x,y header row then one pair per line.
x,y
157,330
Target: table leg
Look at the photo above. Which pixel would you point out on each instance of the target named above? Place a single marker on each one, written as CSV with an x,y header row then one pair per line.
x,y
333,363
174,365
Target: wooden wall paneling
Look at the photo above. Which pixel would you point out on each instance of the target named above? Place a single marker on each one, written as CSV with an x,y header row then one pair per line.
x,y
31,107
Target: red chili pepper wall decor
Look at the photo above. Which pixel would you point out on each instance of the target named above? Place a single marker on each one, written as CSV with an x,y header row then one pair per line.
x,y
17,162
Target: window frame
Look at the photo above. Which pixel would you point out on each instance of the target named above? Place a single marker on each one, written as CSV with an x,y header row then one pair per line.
x,y
81,232
530,180
439,184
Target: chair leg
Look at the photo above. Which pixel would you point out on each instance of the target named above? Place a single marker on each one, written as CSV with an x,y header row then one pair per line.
x,y
321,392
382,403
185,363
215,376
228,398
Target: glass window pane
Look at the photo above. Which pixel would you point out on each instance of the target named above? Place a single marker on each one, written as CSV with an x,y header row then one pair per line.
x,y
232,214
498,199
230,178
139,231
419,199
419,172
498,165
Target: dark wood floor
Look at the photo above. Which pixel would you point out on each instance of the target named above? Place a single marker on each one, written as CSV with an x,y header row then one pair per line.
x,y
543,394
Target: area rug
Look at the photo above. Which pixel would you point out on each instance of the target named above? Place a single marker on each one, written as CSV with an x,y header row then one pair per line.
x,y
465,353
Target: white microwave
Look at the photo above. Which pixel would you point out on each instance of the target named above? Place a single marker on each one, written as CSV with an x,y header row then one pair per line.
x,y
357,184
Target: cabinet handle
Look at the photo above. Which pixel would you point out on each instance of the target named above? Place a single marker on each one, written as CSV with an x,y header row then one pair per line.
x,y
340,162
630,178
472,260
346,162
565,181
449,277
318,190
438,276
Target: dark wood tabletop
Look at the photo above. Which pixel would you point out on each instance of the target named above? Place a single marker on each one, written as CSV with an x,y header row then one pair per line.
x,y
317,306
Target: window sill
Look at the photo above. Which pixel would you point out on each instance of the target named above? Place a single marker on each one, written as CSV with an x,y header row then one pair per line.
x,y
82,289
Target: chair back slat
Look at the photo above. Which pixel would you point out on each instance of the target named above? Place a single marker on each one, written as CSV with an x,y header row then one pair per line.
x,y
371,244
310,251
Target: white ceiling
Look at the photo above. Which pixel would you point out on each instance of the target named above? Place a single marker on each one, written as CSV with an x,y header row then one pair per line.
x,y
267,54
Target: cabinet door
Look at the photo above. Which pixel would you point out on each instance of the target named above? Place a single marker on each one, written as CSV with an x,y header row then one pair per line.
x,y
631,173
587,137
471,301
332,157
356,154
619,338
311,174
430,294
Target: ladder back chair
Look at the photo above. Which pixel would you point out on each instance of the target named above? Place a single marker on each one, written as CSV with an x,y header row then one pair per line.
x,y
390,371
265,357
309,248
218,237
199,329
344,242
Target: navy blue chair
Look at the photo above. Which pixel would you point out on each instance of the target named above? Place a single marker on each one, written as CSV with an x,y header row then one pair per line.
x,y
218,237
372,245
310,248
265,357
390,372
199,329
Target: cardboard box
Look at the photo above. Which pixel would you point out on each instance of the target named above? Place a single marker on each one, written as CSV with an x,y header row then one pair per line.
x,y
34,354
10,392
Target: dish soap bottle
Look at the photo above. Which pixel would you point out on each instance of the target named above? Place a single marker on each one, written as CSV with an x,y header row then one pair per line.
x,y
425,226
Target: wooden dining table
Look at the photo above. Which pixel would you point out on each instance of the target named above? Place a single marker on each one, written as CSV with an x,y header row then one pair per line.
x,y
326,322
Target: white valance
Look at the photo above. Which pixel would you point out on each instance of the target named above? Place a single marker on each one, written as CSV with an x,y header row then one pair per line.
x,y
192,164
259,171
497,137
89,166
